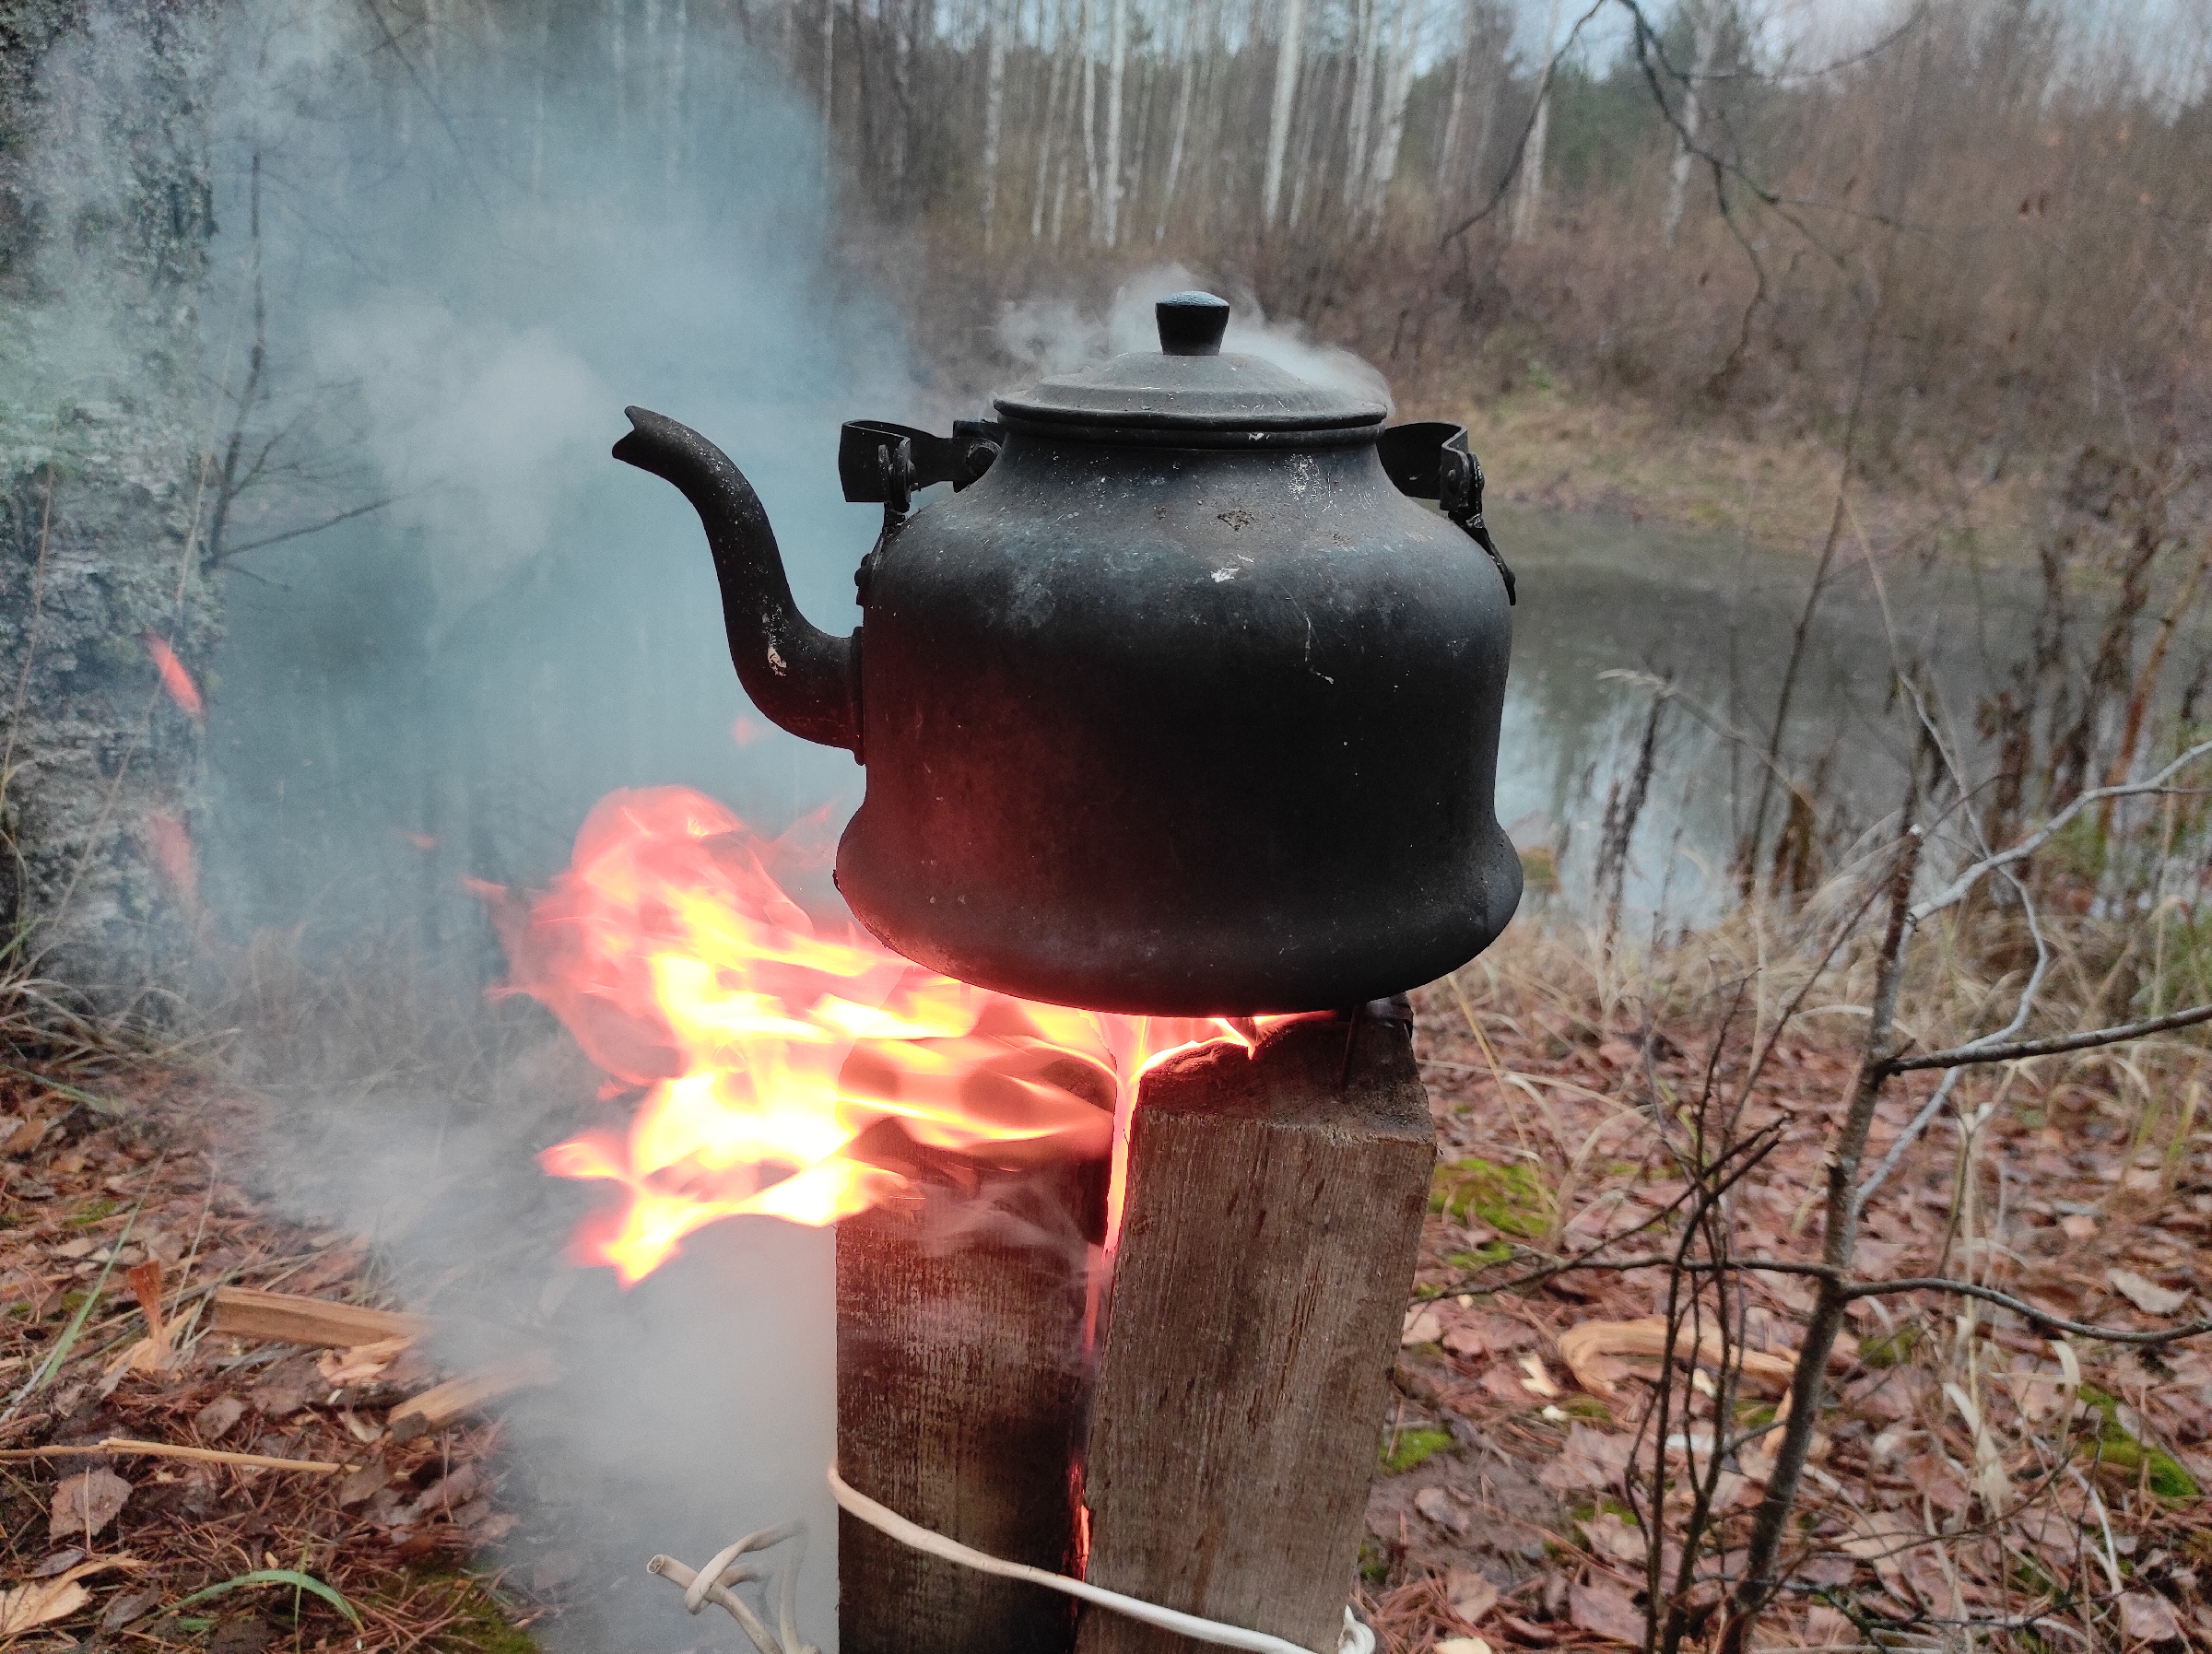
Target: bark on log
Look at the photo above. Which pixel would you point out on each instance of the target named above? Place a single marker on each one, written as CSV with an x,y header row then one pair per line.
x,y
104,223
1266,1247
960,1396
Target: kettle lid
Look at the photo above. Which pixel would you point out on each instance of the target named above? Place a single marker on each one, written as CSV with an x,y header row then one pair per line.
x,y
1189,391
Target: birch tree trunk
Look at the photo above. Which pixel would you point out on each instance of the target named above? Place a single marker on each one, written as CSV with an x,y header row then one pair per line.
x,y
1706,32
1530,197
1462,80
1278,119
1118,50
1397,89
672,110
1050,126
995,88
1365,43
1091,115
1182,124
105,220
828,85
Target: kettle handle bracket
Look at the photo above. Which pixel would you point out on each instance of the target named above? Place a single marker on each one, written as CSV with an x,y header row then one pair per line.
x,y
1430,460
881,462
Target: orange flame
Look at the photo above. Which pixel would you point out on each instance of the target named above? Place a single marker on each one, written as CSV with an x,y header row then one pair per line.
x,y
767,1041
171,845
175,679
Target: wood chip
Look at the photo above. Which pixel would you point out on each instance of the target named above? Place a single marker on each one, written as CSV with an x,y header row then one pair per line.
x,y
457,1397
288,1318
1591,1350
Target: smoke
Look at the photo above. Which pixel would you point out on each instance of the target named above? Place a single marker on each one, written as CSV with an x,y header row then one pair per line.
x,y
450,252
1052,335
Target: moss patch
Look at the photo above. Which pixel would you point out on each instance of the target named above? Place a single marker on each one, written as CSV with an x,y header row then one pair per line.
x,y
1512,1199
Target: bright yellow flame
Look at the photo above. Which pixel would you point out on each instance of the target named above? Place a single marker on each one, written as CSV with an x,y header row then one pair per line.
x,y
764,1047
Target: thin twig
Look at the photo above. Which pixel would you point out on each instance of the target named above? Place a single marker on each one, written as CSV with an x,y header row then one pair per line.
x,y
125,1446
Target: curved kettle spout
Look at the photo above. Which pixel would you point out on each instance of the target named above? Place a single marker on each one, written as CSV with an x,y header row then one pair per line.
x,y
798,675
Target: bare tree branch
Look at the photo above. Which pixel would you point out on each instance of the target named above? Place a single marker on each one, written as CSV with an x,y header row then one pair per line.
x,y
2020,1049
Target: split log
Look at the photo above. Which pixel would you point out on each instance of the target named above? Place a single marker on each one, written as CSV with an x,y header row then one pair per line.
x,y
436,1408
288,1318
1268,1233
960,1396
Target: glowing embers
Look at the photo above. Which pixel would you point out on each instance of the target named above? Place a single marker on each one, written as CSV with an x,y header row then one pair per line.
x,y
767,1040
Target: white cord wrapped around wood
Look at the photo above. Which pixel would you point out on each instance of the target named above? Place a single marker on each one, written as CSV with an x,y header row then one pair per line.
x,y
1356,1638
714,1584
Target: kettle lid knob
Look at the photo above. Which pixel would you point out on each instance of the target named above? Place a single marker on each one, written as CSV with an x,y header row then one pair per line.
x,y
1192,324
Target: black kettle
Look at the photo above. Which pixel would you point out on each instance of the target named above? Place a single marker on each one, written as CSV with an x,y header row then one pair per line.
x,y
1180,705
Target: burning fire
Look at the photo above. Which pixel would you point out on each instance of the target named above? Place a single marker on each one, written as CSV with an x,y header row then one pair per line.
x,y
781,1055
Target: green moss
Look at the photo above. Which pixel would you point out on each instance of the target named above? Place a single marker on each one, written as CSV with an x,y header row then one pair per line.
x,y
1415,1446
96,1212
2115,1449
1512,1199
479,1620
1586,1407
1893,1348
1374,1561
1483,1257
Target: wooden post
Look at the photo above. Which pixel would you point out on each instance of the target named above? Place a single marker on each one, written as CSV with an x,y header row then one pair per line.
x,y
959,1401
1266,1247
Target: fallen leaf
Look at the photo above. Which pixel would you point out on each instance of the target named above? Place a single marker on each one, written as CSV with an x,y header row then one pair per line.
x,y
1438,1506
86,1502
1472,1333
1611,1537
1463,1645
286,1388
1422,1326
1470,1593
36,1605
1617,1053
45,1601
56,1563
1535,1379
213,1421
1605,1609
2145,1295
1588,1458
2147,1617
131,1605
2077,1226
363,1484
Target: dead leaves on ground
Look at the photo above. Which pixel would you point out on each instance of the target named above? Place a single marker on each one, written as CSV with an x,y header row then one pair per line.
x,y
1943,1430
99,1207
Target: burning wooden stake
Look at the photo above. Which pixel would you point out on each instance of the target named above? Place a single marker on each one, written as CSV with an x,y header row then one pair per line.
x,y
1267,1240
960,1396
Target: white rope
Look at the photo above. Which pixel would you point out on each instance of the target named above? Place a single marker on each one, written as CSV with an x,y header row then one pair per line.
x,y
1358,1637
713,1583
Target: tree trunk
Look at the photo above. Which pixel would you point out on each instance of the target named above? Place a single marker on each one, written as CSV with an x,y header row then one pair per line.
x,y
1278,119
1090,114
1530,197
1366,40
1462,77
1117,60
1049,126
1706,34
995,88
1182,126
105,220
1397,89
